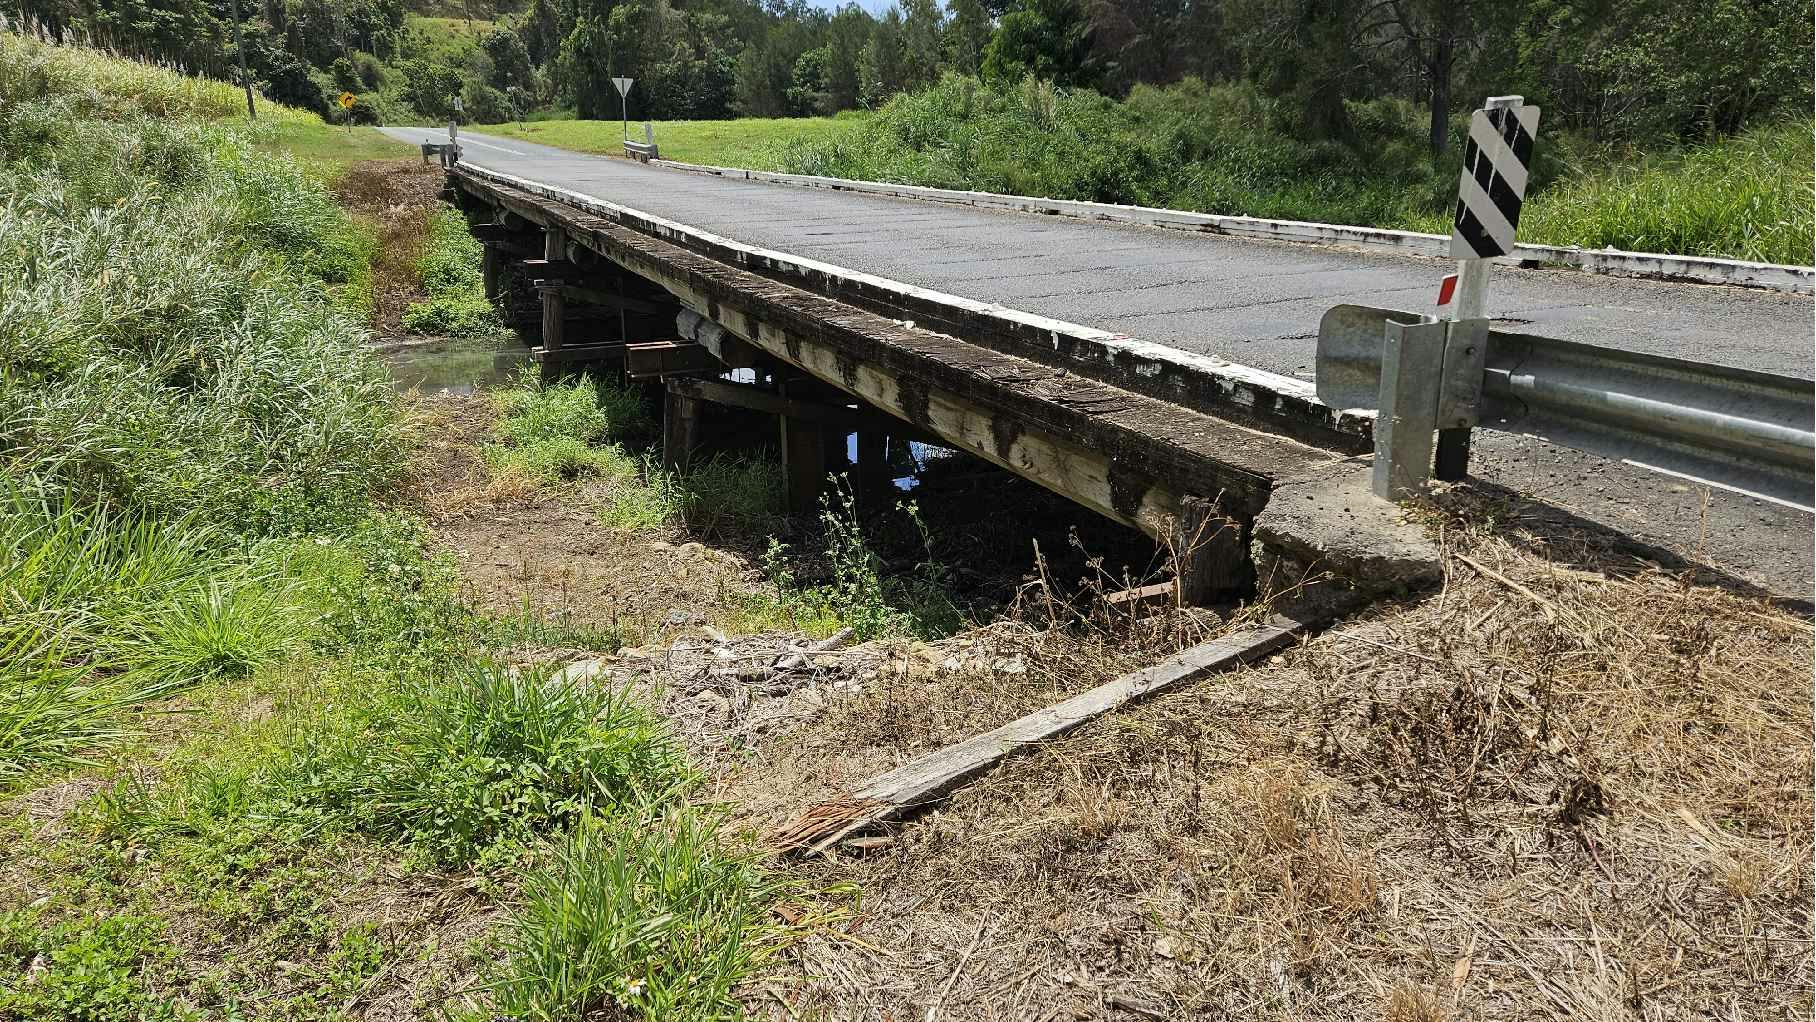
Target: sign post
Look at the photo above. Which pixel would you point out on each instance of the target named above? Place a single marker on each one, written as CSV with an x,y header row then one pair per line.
x,y
1490,192
347,99
624,110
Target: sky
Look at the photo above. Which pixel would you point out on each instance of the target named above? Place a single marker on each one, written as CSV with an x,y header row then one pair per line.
x,y
873,6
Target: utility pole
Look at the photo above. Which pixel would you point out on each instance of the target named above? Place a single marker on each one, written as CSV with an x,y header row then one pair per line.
x,y
239,40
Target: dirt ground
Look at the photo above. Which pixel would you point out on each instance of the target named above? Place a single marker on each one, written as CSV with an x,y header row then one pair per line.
x,y
1570,784
395,195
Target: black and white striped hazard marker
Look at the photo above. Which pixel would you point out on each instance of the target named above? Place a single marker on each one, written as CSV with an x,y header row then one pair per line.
x,y
1493,184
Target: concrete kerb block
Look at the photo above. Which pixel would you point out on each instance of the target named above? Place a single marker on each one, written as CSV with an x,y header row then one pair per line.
x,y
1329,522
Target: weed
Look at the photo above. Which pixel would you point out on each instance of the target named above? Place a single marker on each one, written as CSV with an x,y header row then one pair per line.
x,y
722,495
646,912
81,970
561,430
857,592
558,458
225,630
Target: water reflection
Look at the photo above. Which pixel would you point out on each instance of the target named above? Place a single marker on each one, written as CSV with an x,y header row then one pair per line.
x,y
453,365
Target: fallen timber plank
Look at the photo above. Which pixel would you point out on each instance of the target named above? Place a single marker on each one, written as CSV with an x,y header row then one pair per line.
x,y
927,779
1130,457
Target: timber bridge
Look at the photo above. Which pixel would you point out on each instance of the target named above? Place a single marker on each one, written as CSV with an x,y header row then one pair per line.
x,y
1161,378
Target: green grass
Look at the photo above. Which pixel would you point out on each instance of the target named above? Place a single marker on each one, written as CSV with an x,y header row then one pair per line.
x,y
653,914
328,150
103,85
567,430
1746,197
449,269
753,142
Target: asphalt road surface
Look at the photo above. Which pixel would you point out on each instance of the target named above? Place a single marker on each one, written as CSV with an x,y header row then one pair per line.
x,y
1258,303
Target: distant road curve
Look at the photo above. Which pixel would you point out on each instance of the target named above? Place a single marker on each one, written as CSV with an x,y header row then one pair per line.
x,y
1257,303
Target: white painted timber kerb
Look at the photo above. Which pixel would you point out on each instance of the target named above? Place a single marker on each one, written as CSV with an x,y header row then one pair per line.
x,y
1774,276
1243,386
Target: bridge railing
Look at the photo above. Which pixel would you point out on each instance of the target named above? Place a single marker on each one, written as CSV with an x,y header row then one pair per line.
x,y
1736,429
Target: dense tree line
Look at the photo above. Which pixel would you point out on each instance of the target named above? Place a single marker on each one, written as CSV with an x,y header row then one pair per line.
x,y
1623,70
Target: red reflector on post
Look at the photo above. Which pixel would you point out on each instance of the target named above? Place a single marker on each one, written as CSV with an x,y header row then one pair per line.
x,y
1447,290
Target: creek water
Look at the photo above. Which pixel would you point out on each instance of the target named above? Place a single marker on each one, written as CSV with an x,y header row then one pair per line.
x,y
454,365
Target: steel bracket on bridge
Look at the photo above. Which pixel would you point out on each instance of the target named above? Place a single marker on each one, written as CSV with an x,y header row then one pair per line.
x,y
1750,432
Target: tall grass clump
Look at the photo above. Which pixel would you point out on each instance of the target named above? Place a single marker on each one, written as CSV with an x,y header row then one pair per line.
x,y
182,375
111,85
1744,197
653,914
477,763
449,269
167,334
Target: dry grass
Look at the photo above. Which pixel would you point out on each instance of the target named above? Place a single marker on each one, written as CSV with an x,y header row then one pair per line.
x,y
1580,789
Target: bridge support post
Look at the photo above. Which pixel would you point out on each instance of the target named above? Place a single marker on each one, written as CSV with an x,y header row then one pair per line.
x,y
803,446
873,463
680,428
554,313
491,266
1212,547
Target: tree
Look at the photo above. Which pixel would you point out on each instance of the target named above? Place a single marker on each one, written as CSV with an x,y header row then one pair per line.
x,y
1049,39
967,33
585,63
808,94
882,71
922,56
429,87
510,60
1435,34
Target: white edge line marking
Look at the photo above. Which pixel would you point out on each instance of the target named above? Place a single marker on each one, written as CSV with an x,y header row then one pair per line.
x,y
1229,374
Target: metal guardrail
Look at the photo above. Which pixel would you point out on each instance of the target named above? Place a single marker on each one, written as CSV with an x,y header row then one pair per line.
x,y
1737,429
641,151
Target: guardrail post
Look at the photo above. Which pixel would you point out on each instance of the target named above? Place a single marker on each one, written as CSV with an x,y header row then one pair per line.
x,y
1412,369
1460,394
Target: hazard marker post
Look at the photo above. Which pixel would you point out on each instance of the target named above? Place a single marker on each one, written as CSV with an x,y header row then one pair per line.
x,y
1497,161
1431,369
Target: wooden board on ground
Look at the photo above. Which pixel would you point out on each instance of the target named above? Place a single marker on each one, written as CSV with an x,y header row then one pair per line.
x,y
922,781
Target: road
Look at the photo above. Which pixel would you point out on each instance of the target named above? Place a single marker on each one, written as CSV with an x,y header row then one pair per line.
x,y
1257,303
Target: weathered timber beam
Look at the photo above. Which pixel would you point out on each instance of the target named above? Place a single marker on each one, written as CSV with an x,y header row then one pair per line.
x,y
578,354
660,358
594,296
756,399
